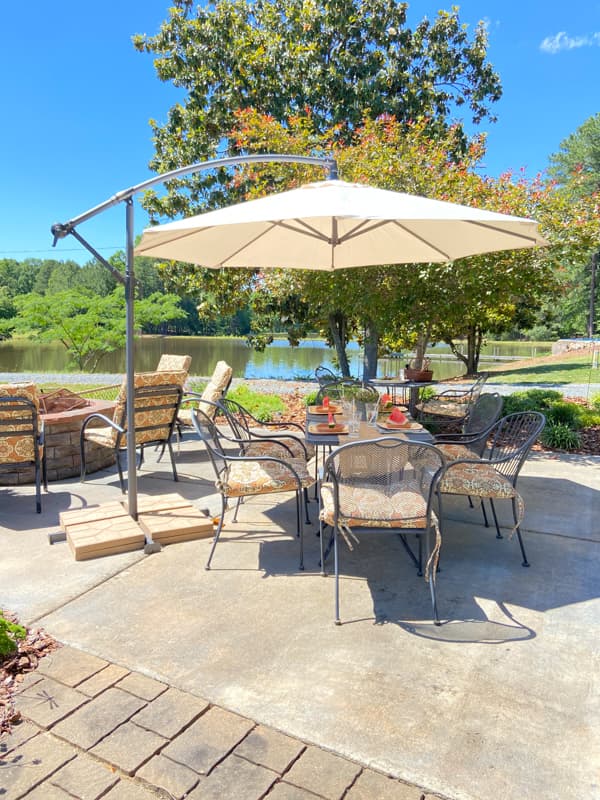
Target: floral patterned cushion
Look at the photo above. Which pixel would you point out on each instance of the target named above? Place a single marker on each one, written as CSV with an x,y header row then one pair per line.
x,y
444,408
15,447
277,449
455,452
371,507
173,363
213,392
160,420
262,477
481,480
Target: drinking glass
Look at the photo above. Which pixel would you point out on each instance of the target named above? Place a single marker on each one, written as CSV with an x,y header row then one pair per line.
x,y
353,424
372,410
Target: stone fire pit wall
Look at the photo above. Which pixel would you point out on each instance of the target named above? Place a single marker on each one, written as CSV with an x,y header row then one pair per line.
x,y
62,431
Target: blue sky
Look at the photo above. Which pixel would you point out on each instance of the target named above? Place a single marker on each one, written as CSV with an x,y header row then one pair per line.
x,y
77,99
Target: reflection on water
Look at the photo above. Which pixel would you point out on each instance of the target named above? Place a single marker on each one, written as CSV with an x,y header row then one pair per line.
x,y
279,360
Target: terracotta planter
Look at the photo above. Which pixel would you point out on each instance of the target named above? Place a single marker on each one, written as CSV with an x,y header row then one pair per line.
x,y
419,375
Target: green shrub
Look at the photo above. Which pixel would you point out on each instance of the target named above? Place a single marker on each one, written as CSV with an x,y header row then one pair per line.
x,y
261,406
564,413
590,417
311,398
596,402
559,436
10,632
530,400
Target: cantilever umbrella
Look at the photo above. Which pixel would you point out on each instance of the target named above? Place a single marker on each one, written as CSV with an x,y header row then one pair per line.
x,y
335,225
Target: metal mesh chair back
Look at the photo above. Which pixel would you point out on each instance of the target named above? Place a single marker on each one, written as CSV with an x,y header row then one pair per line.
x,y
209,433
483,413
348,389
387,464
237,418
511,439
325,375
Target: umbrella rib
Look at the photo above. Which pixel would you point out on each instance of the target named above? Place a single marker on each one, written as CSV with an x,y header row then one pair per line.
x,y
422,240
491,227
358,229
308,229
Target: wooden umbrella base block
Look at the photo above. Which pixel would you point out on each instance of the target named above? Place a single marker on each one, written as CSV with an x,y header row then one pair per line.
x,y
108,529
171,518
103,537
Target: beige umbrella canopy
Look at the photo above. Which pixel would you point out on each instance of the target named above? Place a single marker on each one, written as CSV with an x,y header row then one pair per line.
x,y
335,225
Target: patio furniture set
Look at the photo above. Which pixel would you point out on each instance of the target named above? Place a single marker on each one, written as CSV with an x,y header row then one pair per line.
x,y
371,474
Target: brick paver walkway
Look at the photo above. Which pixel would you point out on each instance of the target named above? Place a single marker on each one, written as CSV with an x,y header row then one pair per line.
x,y
94,730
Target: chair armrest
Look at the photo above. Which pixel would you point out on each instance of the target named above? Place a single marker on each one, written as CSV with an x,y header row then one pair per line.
x,y
104,419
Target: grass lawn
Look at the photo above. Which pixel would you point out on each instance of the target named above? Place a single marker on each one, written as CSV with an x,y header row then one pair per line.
x,y
550,369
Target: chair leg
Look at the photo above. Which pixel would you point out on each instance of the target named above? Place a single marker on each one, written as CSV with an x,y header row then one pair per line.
x,y
306,502
38,488
498,534
175,476
300,499
237,507
120,469
82,459
525,562
218,531
434,608
338,621
485,519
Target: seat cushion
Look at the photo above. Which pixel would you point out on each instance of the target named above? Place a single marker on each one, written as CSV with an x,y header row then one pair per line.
x,y
476,480
262,477
482,480
371,507
103,435
277,448
455,452
444,408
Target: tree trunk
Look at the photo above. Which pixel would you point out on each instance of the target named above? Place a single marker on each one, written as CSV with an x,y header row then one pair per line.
x,y
337,327
474,341
371,351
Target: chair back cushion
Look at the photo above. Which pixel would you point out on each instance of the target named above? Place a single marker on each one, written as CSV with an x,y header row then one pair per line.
x,y
216,388
156,402
18,422
172,363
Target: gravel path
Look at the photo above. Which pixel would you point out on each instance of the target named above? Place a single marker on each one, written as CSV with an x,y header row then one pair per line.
x,y
269,386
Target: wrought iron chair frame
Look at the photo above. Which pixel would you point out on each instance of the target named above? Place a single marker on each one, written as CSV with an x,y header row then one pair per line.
x,y
210,434
332,474
28,425
143,395
500,450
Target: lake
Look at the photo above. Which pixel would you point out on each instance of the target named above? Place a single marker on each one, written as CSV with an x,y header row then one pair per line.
x,y
279,360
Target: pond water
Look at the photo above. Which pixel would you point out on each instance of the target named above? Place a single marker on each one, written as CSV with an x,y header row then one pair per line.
x,y
279,360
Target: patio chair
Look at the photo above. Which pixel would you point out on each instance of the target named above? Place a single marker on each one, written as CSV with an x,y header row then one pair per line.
x,y
240,475
362,392
156,400
22,433
450,407
325,375
214,391
382,485
493,474
475,430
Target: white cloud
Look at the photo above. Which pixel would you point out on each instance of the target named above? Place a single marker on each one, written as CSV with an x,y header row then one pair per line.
x,y
562,41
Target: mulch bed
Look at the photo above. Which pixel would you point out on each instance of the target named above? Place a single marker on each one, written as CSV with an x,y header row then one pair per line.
x,y
14,668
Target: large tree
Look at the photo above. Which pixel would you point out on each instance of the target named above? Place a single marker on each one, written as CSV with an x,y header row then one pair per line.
x,y
576,170
341,59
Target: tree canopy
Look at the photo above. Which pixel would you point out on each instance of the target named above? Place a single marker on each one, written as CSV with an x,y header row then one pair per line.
x,y
576,166
340,60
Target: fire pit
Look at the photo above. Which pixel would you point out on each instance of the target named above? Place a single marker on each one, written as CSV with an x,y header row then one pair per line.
x,y
63,413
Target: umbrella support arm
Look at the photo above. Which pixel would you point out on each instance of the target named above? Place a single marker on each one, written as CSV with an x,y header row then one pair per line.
x,y
62,229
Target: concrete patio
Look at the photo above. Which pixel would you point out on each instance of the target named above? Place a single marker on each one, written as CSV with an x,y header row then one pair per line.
x,y
499,701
